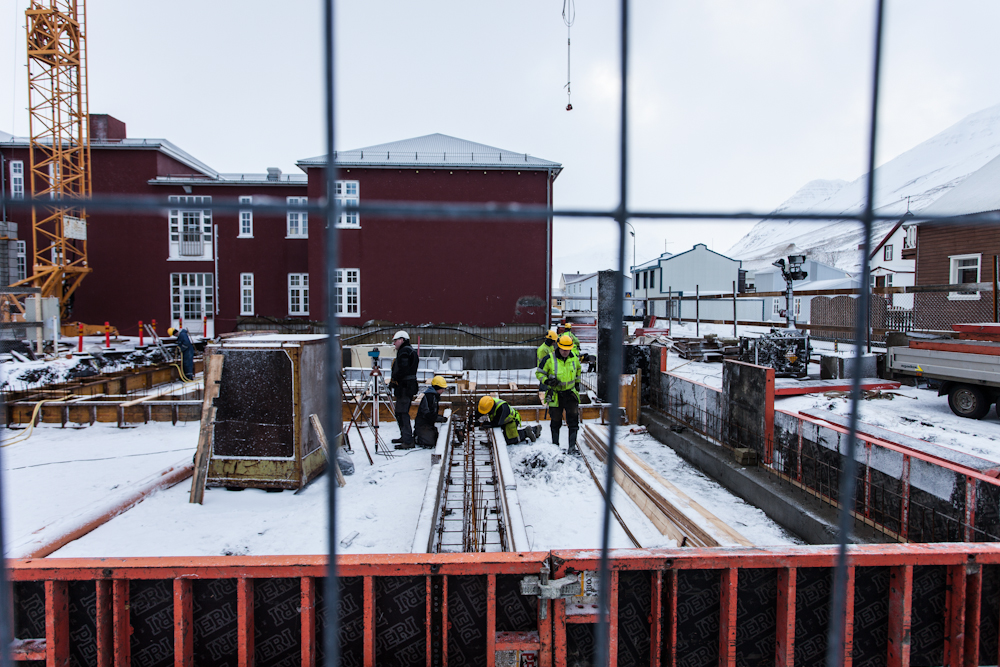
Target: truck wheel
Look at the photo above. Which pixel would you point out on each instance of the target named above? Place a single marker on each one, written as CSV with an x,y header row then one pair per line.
x,y
968,401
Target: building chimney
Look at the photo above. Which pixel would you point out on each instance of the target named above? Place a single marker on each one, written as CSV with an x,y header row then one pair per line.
x,y
273,174
106,129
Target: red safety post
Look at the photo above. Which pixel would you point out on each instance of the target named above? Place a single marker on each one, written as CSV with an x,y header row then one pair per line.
x,y
180,323
152,323
204,325
140,333
80,330
107,334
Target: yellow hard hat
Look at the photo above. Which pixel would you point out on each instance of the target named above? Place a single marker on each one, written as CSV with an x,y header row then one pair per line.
x,y
568,325
565,342
439,382
551,335
485,404
171,331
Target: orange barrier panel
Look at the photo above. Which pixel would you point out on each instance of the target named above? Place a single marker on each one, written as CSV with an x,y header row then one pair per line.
x,y
668,607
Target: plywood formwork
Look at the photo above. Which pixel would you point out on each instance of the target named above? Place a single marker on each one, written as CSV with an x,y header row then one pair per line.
x,y
261,434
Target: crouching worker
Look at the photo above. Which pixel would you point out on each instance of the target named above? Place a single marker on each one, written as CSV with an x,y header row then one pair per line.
x,y
425,433
561,375
187,350
498,412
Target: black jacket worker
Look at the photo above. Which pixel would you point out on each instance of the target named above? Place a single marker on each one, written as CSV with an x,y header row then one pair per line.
x,y
425,431
403,382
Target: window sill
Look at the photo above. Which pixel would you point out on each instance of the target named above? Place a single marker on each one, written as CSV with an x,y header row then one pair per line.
x,y
343,315
190,259
300,236
247,314
244,236
957,296
342,226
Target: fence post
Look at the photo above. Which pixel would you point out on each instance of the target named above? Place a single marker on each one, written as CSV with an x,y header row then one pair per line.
x,y
670,306
996,267
735,335
697,312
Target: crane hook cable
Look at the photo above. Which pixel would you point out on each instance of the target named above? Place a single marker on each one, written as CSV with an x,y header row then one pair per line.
x,y
569,17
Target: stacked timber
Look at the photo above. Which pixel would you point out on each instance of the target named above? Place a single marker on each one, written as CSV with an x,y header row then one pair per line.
x,y
639,480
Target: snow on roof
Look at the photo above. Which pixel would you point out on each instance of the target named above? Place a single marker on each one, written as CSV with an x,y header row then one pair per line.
x,y
577,277
434,150
162,145
5,136
976,194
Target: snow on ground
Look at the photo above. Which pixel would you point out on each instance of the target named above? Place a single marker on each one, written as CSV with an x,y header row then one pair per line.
x,y
59,470
744,518
380,503
562,507
915,412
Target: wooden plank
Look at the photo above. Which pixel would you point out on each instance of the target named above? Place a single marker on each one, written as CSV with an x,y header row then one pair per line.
x,y
784,644
123,622
213,377
727,618
308,622
325,446
900,603
57,623
105,624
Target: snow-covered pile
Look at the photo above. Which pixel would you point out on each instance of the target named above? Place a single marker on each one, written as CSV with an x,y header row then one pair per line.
x,y
922,174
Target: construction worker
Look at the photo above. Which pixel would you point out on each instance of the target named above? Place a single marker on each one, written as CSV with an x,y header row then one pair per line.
x,y
561,376
568,331
403,382
425,433
187,350
498,412
547,347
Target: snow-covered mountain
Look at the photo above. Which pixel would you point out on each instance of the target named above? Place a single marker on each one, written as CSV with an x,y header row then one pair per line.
x,y
923,173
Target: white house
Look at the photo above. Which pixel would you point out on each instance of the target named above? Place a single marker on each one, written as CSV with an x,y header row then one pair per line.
x,y
889,269
698,269
580,292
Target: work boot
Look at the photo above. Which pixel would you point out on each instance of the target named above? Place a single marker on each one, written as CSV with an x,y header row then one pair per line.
x,y
406,445
535,432
555,434
572,442
396,441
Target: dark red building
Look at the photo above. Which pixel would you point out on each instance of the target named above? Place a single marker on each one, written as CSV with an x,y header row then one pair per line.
x,y
199,265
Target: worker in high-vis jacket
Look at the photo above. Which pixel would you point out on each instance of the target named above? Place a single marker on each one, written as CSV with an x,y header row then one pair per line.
x,y
186,348
496,412
547,348
425,433
568,331
561,376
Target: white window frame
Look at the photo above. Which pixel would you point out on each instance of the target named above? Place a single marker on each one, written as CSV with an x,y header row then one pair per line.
x,y
17,179
347,291
245,220
776,308
798,306
953,270
297,222
298,293
205,282
348,193
887,253
22,260
246,294
186,208
910,240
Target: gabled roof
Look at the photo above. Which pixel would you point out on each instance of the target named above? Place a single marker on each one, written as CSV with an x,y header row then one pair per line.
x,y
888,236
433,150
577,277
695,247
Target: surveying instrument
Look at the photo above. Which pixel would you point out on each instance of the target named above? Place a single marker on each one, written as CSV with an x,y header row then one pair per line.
x,y
375,394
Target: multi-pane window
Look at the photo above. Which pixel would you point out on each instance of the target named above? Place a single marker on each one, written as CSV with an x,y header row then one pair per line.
x,y
246,294
652,279
798,306
347,286
190,229
346,194
17,179
298,293
887,253
964,269
776,309
22,260
246,219
191,296
298,221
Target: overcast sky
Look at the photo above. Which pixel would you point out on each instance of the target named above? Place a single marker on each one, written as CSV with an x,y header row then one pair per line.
x,y
735,104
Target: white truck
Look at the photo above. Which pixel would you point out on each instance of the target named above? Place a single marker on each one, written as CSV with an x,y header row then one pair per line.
x,y
968,370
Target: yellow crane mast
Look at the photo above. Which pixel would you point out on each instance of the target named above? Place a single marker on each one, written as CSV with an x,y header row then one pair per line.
x,y
60,145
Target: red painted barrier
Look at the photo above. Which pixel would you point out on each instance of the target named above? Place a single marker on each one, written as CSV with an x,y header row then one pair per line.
x,y
668,607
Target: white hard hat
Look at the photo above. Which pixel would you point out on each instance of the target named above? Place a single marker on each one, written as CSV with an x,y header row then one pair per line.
x,y
401,334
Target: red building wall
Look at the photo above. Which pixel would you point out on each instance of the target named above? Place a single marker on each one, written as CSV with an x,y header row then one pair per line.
x,y
419,270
